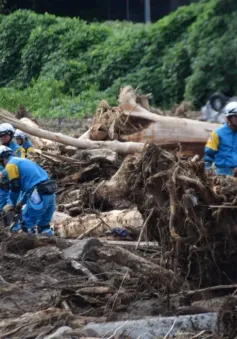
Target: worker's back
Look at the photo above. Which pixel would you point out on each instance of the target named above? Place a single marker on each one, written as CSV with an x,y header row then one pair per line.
x,y
29,173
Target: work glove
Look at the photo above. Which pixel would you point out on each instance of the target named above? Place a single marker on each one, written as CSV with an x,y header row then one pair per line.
x,y
8,208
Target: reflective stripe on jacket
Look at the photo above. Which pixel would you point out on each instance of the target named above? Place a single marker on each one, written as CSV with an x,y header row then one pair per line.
x,y
17,151
29,149
221,148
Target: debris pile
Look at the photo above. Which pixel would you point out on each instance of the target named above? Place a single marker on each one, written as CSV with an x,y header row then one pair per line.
x,y
193,217
183,219
133,228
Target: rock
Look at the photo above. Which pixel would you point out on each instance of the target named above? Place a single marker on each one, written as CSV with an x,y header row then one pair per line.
x,y
77,250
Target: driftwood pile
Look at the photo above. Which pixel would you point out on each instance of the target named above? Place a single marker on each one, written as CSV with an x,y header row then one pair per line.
x,y
160,197
160,200
134,227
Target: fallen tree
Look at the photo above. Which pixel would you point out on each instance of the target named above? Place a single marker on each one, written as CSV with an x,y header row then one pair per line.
x,y
132,121
162,130
124,148
125,129
37,142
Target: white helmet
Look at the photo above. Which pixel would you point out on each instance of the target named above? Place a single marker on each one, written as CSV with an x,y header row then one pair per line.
x,y
231,109
5,152
6,129
20,134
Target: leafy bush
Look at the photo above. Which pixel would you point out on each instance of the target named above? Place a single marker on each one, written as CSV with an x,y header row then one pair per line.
x,y
62,66
14,33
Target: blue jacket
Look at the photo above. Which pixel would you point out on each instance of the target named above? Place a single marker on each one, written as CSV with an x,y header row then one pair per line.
x,y
23,175
221,148
17,150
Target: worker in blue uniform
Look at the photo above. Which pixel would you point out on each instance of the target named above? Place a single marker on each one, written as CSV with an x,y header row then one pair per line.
x,y
23,141
38,193
221,147
6,136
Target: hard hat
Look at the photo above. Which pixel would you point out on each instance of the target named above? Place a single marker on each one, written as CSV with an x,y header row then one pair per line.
x,y
20,134
5,152
231,109
6,129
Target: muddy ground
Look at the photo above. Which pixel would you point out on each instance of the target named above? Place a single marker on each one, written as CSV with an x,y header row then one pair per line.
x,y
37,276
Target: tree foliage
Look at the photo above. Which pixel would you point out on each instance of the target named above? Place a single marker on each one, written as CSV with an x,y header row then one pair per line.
x,y
61,66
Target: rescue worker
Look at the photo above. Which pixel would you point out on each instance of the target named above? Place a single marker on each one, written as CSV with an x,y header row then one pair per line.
x,y
23,141
6,135
38,193
221,147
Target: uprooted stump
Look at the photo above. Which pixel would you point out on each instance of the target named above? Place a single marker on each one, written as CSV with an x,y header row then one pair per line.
x,y
196,231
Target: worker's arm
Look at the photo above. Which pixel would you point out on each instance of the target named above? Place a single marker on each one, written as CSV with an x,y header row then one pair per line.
x,y
211,149
14,178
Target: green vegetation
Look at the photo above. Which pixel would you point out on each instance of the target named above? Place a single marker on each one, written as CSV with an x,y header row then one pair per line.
x,y
64,67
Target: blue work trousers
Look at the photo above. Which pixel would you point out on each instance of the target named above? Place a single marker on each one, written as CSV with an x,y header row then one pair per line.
x,y
42,217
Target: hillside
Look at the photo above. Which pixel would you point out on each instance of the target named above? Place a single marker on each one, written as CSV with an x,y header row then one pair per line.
x,y
64,67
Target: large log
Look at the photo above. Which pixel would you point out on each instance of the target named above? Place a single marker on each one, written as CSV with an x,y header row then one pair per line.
x,y
98,224
161,130
120,147
38,142
164,130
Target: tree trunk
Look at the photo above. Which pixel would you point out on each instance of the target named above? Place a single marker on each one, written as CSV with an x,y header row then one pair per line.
x,y
38,142
99,223
166,131
120,147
